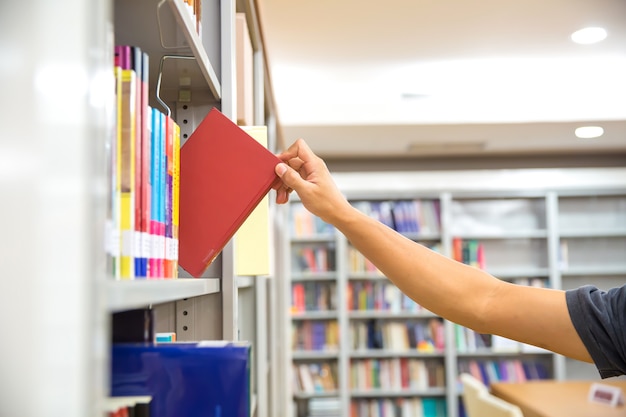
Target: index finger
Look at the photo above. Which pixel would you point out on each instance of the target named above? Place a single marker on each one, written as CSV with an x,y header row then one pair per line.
x,y
299,149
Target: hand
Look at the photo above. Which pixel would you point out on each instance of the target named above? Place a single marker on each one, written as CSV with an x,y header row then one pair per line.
x,y
307,174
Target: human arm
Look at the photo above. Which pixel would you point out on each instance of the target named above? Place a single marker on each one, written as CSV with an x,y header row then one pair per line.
x,y
457,292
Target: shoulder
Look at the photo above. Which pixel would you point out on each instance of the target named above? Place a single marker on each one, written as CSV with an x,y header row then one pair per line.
x,y
600,319
591,295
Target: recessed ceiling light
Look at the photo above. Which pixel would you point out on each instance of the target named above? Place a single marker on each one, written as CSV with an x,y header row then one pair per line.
x,y
589,35
413,96
589,132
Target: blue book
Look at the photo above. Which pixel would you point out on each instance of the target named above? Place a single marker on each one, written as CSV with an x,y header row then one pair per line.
x,y
155,134
210,379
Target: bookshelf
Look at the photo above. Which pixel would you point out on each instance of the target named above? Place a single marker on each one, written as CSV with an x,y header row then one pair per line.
x,y
561,231
55,183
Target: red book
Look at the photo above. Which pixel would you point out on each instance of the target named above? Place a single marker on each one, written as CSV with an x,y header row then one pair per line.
x,y
224,175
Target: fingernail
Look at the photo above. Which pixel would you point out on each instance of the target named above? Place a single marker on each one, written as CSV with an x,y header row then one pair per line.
x,y
281,169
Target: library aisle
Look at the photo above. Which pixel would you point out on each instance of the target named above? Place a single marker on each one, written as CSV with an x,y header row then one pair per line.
x,y
359,347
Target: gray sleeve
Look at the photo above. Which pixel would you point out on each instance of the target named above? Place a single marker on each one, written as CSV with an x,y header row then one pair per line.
x,y
600,320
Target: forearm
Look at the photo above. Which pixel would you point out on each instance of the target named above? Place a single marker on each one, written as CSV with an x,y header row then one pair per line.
x,y
436,282
463,294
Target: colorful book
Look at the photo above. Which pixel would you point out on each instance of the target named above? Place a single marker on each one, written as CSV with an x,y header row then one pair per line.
x,y
146,167
172,240
113,228
127,174
224,174
153,185
162,191
168,196
136,63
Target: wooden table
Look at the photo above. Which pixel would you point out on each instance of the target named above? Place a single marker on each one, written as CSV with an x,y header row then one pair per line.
x,y
557,398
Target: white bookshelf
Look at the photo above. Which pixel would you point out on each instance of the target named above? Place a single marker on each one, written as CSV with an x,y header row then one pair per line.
x,y
521,217
55,184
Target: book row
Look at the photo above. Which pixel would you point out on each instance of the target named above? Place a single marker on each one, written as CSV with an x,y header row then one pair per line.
x,y
399,407
506,370
143,211
361,296
313,296
379,296
315,335
304,224
469,341
396,374
359,264
468,251
318,258
315,377
405,216
423,336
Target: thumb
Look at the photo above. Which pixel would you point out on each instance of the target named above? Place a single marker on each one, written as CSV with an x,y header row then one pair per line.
x,y
287,175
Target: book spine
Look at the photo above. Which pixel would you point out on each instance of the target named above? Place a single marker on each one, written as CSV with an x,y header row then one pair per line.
x,y
162,181
115,190
137,67
176,199
154,187
145,166
169,166
127,174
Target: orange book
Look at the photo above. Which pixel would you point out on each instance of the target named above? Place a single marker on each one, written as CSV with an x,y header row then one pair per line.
x,y
224,175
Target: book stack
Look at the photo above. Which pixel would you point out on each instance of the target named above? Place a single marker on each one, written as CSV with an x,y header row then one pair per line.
x,y
142,231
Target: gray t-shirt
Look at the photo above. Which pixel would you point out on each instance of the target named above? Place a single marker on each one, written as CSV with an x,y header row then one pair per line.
x,y
600,320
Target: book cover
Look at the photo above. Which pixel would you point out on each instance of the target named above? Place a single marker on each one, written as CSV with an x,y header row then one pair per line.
x,y
224,174
252,240
185,379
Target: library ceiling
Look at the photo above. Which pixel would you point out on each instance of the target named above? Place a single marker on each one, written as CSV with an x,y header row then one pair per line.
x,y
423,77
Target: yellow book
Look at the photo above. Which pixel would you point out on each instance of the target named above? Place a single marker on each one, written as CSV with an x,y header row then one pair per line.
x,y
175,199
252,240
126,173
113,232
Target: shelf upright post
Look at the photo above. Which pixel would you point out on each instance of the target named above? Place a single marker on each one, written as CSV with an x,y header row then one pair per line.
x,y
273,335
450,358
260,293
283,273
341,244
230,306
552,224
259,89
